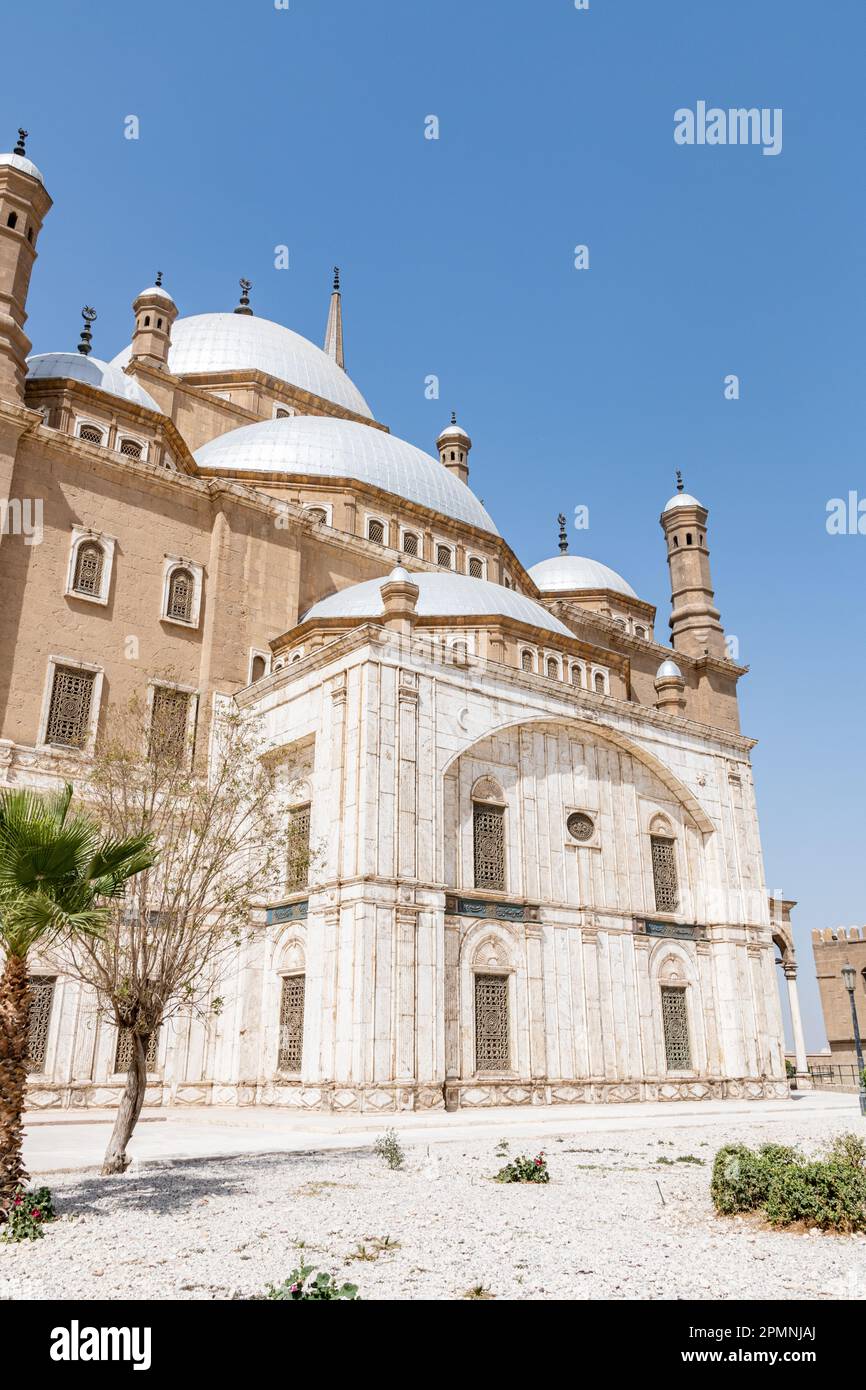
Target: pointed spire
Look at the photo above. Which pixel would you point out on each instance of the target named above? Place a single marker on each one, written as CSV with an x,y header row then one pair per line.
x,y
89,316
563,534
19,148
244,306
679,481
334,330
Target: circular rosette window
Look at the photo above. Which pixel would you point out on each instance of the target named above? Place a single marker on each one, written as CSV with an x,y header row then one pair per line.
x,y
580,826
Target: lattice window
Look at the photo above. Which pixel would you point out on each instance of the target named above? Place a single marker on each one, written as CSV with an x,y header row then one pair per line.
x,y
476,567
123,1052
580,826
443,556
640,632
317,514
527,661
675,1018
181,590
376,531
291,1023
489,843
664,860
282,414
131,448
89,564
69,710
41,999
91,434
298,849
576,676
552,668
169,720
598,683
410,543
492,1043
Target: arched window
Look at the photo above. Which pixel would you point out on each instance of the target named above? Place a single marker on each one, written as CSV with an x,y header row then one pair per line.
x,y
620,623
181,588
410,543
527,660
552,668
676,540
282,414
291,1043
147,320
317,513
443,556
92,433
258,669
576,676
476,567
12,219
598,683
675,1022
488,833
159,323
664,866
376,531
640,632
298,849
89,565
131,448
459,653
688,537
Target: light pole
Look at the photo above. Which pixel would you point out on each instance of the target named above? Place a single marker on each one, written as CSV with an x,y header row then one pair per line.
x,y
849,975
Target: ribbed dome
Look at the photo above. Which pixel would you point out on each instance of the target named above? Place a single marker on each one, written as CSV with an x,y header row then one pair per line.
x,y
25,165
562,573
441,596
322,447
241,342
105,376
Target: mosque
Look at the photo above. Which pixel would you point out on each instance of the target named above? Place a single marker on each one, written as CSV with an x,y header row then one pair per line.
x,y
538,874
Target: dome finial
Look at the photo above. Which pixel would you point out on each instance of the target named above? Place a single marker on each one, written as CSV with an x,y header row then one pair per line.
x,y
454,417
679,481
244,306
336,277
563,534
89,316
158,279
22,136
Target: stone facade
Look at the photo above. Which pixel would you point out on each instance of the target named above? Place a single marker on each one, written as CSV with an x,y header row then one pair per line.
x,y
833,948
538,873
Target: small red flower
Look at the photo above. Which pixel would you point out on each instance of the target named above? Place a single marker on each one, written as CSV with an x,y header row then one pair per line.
x,y
36,1214
19,1201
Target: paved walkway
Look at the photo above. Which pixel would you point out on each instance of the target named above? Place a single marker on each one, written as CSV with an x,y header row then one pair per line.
x,y
68,1141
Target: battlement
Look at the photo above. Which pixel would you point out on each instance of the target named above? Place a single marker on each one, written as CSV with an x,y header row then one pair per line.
x,y
838,936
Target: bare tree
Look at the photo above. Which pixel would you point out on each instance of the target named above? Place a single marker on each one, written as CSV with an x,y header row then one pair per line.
x,y
217,829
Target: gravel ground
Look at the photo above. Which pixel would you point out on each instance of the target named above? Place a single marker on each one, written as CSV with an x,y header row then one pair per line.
x,y
612,1223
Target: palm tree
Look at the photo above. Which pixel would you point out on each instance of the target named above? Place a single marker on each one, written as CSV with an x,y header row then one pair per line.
x,y
57,870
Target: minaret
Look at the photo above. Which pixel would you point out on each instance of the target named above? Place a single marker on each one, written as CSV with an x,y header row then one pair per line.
x,y
23,206
155,312
694,620
454,445
334,329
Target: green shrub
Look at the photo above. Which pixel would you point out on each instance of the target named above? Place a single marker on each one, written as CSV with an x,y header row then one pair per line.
x,y
300,1285
387,1146
829,1192
790,1069
28,1212
523,1169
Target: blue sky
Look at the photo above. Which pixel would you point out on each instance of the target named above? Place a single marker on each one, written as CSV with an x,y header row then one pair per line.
x,y
305,127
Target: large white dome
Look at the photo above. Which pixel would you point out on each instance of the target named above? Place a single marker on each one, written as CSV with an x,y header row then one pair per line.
x,y
105,376
562,573
441,596
241,342
321,446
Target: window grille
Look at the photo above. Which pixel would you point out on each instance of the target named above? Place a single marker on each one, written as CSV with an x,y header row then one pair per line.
x,y
169,719
298,847
552,668
69,709
476,567
181,588
317,513
131,448
376,532
675,1018
282,414
664,862
580,826
410,543
527,662
91,434
291,1023
489,845
640,632
576,676
443,556
41,999
89,563
492,1043
123,1052
598,683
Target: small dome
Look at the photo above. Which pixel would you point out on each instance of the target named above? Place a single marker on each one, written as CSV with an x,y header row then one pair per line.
x,y
682,499
563,573
441,596
321,446
220,343
455,432
158,290
23,164
398,576
104,376
668,669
